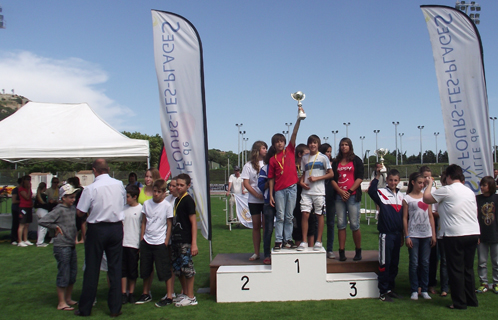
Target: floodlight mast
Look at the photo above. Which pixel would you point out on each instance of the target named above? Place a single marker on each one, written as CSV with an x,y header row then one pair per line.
x,y
473,6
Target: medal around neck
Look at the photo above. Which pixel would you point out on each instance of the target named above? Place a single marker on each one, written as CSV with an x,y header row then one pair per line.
x,y
299,96
381,153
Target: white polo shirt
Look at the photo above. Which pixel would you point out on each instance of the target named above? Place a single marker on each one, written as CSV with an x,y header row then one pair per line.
x,y
103,200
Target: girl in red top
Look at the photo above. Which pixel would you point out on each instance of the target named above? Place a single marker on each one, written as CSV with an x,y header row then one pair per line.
x,y
348,175
25,212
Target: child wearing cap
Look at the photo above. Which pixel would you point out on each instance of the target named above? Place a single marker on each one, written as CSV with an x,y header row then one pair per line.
x,y
61,218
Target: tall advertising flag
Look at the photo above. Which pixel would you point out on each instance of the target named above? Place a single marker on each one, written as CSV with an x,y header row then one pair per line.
x,y
180,76
458,58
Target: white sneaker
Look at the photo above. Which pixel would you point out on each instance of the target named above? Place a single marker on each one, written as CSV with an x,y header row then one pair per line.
x,y
414,296
42,245
187,302
317,246
14,243
302,246
179,297
29,243
426,296
330,255
22,244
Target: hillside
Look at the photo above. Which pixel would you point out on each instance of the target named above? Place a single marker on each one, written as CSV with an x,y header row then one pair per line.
x,y
10,103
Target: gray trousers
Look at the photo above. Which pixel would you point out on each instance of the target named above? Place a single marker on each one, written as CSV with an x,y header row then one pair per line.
x,y
482,254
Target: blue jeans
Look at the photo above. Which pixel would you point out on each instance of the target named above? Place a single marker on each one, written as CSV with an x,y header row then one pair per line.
x,y
285,202
269,214
419,255
349,208
330,211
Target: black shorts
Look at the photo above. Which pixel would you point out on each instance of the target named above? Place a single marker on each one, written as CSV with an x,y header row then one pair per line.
x,y
25,215
159,255
256,208
130,263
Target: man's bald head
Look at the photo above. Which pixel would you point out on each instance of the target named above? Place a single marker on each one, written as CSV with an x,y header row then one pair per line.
x,y
100,166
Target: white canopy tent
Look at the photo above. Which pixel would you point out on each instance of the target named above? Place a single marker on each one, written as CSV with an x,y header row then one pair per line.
x,y
65,131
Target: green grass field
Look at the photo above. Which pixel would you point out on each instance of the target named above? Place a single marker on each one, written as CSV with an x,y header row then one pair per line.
x,y
27,287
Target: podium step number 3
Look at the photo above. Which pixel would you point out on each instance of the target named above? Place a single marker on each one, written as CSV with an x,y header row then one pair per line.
x,y
293,276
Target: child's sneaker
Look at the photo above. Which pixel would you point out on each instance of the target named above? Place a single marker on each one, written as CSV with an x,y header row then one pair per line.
x,y
29,243
426,296
164,302
144,298
414,296
179,297
384,297
22,244
277,246
187,302
302,246
483,288
495,288
318,246
290,245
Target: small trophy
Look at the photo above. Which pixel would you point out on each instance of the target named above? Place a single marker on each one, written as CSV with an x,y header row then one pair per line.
x,y
299,96
381,153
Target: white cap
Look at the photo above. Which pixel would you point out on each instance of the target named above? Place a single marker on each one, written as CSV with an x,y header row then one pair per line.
x,y
67,189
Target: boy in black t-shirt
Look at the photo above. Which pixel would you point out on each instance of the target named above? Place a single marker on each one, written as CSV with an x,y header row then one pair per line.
x,y
184,240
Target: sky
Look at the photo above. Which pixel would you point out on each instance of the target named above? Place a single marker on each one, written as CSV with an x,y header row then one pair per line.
x,y
367,63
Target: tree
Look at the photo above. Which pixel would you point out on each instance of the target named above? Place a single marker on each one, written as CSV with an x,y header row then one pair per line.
x,y
155,148
429,157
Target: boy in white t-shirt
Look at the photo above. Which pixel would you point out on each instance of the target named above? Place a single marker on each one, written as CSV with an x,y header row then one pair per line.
x,y
131,242
316,169
157,220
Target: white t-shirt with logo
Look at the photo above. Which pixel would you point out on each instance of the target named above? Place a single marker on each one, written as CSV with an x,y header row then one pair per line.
x,y
419,225
315,166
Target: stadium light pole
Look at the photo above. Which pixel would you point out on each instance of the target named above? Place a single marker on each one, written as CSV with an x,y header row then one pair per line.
x,y
286,133
421,154
494,136
401,146
245,148
368,163
288,129
2,22
347,124
376,144
335,143
242,133
464,6
396,123
362,138
435,135
238,143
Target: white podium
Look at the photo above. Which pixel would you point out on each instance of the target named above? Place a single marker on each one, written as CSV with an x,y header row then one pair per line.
x,y
292,276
